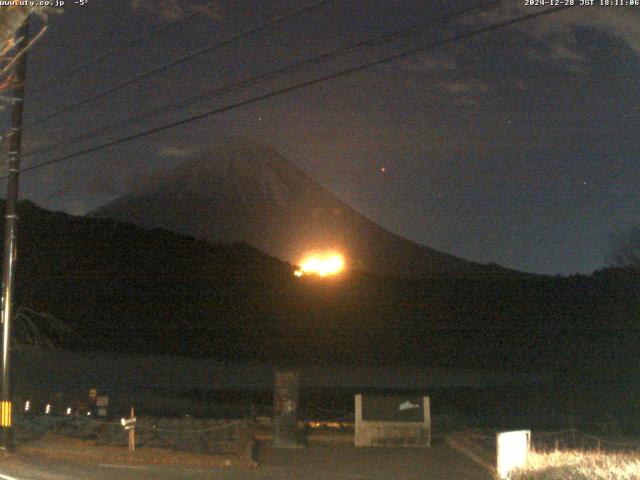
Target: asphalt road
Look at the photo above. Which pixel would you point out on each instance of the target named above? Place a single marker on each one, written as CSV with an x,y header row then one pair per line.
x,y
318,462
26,468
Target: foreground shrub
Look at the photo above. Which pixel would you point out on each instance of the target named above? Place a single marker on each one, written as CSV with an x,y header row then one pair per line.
x,y
580,465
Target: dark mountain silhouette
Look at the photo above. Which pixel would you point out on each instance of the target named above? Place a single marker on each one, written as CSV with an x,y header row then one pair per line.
x,y
126,288
245,191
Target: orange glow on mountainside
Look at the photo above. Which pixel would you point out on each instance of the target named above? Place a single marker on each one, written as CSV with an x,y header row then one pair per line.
x,y
324,265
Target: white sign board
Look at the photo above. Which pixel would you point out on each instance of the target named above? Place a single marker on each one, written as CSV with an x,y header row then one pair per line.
x,y
392,421
513,448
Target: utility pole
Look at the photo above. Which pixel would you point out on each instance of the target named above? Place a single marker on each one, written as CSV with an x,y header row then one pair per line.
x,y
11,220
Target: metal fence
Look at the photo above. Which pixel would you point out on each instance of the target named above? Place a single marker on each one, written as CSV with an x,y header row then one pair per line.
x,y
181,434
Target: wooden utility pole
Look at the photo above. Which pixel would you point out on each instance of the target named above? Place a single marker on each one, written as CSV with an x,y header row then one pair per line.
x,y
129,425
11,220
132,432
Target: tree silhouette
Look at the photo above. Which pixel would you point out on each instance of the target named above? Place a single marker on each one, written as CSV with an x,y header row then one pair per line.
x,y
625,250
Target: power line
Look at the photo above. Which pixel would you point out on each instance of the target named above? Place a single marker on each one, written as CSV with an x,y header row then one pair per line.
x,y
83,66
290,68
183,59
299,86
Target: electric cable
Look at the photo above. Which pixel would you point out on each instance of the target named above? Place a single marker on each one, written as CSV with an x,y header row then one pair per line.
x,y
183,59
295,87
290,68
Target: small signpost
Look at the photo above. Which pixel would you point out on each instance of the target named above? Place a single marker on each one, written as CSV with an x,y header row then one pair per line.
x,y
93,398
102,403
129,425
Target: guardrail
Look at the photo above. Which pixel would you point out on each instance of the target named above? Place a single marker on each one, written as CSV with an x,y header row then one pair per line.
x,y
181,434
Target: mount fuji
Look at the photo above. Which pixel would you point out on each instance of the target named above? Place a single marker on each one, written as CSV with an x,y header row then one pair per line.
x,y
243,191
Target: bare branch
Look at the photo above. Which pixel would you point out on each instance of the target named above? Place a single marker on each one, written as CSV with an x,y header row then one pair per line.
x,y
31,325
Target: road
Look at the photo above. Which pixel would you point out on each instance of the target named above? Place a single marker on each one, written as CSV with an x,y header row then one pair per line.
x,y
31,468
317,462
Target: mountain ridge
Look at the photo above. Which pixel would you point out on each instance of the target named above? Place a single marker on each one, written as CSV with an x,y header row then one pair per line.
x,y
246,191
124,288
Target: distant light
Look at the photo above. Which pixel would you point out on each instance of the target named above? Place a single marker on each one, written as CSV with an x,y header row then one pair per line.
x,y
88,414
47,409
27,406
321,264
68,410
383,170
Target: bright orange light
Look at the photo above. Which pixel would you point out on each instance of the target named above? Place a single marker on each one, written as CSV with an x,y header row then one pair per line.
x,y
323,265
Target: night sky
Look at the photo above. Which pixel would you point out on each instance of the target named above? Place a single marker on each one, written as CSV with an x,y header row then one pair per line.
x,y
518,147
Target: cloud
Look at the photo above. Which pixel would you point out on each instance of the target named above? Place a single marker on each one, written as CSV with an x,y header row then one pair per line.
x,y
462,87
467,102
173,151
521,85
466,92
427,63
554,34
621,23
165,9
213,10
172,10
561,52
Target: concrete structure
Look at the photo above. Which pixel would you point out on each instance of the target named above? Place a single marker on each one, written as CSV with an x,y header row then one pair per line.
x,y
286,394
392,420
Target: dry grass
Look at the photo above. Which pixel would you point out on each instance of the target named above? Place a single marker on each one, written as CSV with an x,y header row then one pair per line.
x,y
65,448
579,465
